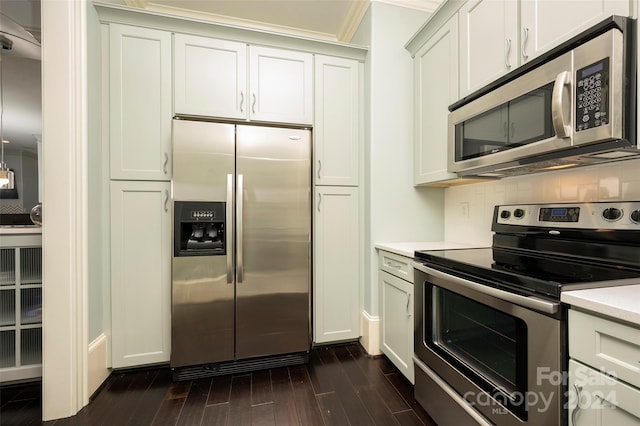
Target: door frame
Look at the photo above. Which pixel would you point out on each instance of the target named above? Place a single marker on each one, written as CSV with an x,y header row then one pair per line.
x,y
64,200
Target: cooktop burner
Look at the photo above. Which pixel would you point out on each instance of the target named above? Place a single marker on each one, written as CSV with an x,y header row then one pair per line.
x,y
546,249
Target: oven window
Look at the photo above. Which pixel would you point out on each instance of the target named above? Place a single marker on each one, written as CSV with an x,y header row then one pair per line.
x,y
488,345
523,120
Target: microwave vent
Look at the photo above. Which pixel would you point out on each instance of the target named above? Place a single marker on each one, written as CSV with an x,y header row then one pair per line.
x,y
614,155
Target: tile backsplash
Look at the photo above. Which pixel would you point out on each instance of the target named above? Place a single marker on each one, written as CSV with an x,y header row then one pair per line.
x,y
469,208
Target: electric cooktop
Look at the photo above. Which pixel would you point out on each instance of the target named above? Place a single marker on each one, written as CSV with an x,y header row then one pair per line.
x,y
546,249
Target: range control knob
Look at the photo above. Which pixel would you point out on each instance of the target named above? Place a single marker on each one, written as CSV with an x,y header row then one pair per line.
x,y
611,214
635,216
518,213
505,214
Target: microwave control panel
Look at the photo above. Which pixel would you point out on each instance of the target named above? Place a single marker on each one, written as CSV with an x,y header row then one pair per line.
x,y
592,95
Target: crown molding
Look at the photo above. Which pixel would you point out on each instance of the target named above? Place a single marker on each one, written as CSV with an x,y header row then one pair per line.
x,y
352,21
142,4
424,5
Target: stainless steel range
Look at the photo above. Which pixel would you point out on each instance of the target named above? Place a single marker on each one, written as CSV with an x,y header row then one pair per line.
x,y
490,331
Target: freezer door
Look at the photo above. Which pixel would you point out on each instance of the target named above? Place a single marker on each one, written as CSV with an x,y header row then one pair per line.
x,y
202,311
273,220
202,322
203,156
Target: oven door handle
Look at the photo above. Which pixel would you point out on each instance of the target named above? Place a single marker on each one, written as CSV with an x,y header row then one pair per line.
x,y
531,302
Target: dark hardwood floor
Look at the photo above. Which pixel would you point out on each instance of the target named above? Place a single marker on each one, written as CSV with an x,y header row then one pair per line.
x,y
339,386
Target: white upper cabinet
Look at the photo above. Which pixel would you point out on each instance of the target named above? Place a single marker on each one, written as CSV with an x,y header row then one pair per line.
x,y
280,85
545,24
488,42
497,36
337,121
228,79
435,88
210,77
139,103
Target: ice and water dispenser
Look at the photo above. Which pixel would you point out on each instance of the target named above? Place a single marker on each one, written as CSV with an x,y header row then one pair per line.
x,y
199,228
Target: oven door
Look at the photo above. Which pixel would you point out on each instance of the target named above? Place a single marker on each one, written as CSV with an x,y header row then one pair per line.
x,y
503,353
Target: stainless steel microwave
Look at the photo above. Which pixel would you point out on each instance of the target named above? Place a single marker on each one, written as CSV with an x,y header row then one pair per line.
x,y
575,106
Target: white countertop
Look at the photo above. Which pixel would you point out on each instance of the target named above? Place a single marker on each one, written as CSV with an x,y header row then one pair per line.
x,y
20,229
407,248
622,302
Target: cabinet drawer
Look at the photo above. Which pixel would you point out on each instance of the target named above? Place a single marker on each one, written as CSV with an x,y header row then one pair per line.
x,y
597,399
397,265
606,345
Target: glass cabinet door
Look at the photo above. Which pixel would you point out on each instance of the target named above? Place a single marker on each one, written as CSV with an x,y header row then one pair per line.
x,y
20,312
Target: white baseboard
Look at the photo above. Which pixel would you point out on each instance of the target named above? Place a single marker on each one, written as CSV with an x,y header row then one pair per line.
x,y
98,367
370,339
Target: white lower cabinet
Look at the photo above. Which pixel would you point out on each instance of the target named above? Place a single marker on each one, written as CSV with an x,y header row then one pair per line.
x,y
140,272
396,310
336,242
604,377
599,399
20,307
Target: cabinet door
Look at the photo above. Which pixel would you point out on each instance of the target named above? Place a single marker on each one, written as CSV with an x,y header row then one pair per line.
x,y
337,123
488,42
281,85
396,298
336,288
210,77
436,87
140,103
20,307
140,272
546,24
598,399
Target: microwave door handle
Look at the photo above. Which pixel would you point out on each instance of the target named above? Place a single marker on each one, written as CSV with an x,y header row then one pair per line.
x,y
563,130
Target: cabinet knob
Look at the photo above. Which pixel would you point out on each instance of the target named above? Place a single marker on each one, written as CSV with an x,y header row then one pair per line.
x,y
506,54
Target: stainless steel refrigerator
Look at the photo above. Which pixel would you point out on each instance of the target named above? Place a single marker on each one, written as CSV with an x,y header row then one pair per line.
x,y
242,245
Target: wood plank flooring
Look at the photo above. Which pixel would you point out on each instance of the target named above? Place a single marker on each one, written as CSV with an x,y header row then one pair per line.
x,y
340,385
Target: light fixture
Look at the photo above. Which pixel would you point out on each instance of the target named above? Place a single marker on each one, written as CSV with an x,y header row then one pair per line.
x,y
7,178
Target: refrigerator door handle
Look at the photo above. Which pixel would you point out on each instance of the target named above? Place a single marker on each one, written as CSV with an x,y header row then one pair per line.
x,y
229,228
239,211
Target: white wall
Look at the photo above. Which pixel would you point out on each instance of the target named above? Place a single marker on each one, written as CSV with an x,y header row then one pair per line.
x,y
97,213
605,182
396,211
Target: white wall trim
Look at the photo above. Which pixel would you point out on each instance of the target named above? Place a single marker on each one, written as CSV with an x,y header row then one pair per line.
x,y
64,230
98,363
370,339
